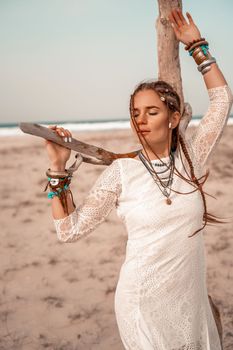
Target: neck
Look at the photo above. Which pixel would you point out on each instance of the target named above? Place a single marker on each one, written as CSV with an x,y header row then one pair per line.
x,y
162,150
152,156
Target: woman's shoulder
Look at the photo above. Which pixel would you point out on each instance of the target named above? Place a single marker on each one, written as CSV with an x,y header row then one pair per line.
x,y
128,163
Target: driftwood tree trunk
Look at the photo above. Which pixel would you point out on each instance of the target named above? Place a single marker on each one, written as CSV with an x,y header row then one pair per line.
x,y
168,47
169,70
168,56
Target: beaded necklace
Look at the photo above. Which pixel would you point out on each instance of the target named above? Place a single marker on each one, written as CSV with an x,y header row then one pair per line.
x,y
163,183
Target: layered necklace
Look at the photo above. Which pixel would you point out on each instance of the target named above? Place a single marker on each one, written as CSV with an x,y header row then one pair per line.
x,y
164,181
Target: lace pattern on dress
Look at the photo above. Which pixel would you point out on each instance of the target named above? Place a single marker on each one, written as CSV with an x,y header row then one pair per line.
x,y
97,205
206,136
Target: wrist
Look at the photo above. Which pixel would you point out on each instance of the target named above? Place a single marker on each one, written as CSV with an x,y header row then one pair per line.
x,y
57,167
194,38
194,41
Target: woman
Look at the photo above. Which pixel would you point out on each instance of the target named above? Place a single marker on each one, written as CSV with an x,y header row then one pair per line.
x,y
161,300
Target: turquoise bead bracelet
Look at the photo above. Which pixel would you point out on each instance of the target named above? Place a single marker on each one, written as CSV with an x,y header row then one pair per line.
x,y
204,48
57,193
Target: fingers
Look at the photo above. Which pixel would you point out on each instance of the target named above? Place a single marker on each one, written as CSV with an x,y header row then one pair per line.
x,y
189,18
182,19
172,20
176,17
64,133
173,24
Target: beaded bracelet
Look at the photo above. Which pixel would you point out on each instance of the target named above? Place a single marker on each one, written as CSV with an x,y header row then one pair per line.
x,y
198,49
62,195
200,43
59,181
60,188
187,47
203,47
56,193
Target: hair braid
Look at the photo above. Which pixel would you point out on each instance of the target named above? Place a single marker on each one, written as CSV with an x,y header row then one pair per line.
x,y
207,217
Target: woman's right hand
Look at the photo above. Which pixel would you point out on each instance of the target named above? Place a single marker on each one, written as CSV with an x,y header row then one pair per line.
x,y
58,155
184,31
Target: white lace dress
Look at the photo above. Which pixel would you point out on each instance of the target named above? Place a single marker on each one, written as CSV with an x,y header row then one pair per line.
x,y
161,300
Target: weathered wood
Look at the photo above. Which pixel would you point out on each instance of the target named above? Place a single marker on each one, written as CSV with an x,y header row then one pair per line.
x,y
97,155
168,56
168,47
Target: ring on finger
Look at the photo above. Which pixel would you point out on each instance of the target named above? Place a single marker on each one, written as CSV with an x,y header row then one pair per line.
x,y
69,135
66,137
62,131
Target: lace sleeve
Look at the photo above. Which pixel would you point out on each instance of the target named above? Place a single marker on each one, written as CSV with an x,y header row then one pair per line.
x,y
208,133
97,205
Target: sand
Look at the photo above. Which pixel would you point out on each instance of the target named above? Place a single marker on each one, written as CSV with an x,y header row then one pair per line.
x,y
61,296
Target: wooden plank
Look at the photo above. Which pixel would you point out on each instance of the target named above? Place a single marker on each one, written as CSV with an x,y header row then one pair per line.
x,y
97,155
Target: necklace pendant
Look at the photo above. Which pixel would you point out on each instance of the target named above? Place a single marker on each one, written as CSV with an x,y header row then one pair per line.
x,y
168,201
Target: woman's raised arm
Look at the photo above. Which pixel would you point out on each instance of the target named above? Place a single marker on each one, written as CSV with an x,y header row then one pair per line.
x,y
187,32
208,133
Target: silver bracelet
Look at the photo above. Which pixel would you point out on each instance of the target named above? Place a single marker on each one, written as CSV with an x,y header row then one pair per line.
x,y
206,63
206,69
57,174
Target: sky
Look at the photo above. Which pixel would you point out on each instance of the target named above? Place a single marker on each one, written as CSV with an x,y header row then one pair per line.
x,y
75,60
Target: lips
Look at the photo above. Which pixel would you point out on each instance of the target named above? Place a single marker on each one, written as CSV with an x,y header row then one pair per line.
x,y
144,131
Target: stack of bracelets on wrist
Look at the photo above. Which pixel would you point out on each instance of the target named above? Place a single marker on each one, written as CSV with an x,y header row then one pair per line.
x,y
198,49
59,181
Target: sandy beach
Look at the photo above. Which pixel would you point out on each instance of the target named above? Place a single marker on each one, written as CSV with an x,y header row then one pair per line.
x,y
58,296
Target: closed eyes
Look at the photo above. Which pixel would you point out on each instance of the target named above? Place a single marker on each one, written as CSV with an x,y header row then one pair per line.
x,y
151,113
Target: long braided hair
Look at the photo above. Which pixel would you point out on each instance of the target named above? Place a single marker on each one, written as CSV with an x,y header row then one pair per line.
x,y
173,103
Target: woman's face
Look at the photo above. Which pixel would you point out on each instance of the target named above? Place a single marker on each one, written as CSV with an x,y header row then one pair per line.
x,y
151,114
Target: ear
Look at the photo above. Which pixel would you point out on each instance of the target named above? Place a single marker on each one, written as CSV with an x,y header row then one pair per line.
x,y
175,119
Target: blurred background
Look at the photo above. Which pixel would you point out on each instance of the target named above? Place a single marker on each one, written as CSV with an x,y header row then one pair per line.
x,y
76,63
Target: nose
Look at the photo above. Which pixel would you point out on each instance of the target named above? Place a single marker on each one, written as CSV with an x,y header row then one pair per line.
x,y
141,118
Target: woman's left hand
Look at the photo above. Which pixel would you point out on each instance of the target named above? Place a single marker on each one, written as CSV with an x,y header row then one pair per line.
x,y
184,31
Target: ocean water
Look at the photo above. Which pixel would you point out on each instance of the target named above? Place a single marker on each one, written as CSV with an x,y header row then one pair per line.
x,y
13,129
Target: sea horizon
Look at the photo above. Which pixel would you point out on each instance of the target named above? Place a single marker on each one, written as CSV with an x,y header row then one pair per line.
x,y
12,129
